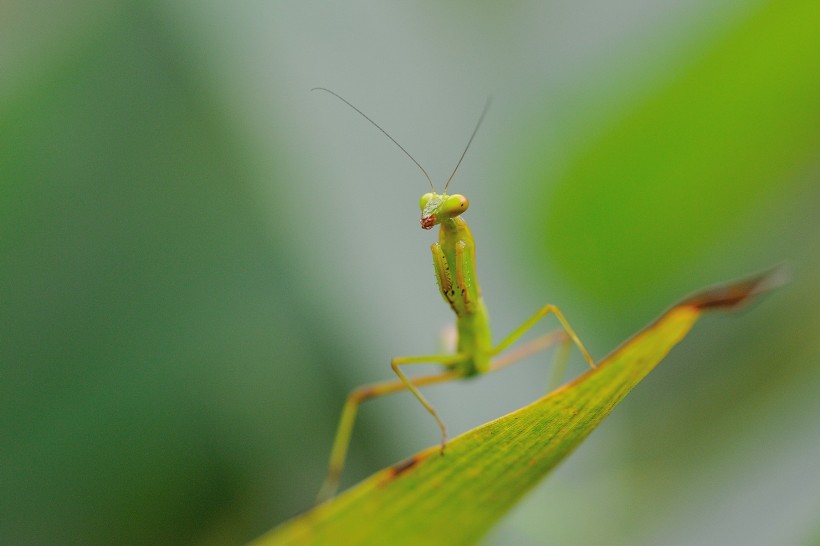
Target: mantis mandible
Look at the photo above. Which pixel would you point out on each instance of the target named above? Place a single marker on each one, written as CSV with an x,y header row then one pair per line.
x,y
454,263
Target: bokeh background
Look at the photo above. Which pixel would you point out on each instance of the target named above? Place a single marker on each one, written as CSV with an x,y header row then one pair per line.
x,y
199,257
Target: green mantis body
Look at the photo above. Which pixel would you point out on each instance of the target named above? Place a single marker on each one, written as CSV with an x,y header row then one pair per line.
x,y
454,263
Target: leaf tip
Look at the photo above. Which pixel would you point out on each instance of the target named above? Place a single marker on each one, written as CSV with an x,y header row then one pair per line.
x,y
734,294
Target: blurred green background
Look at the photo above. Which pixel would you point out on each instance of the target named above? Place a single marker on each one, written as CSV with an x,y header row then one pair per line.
x,y
199,257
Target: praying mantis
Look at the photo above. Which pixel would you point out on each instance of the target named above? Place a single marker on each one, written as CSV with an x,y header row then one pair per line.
x,y
454,263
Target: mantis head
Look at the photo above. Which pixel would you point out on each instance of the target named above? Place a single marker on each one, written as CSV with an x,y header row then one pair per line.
x,y
436,208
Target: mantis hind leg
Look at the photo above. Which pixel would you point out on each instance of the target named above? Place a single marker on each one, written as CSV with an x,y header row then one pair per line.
x,y
561,355
344,430
560,360
541,343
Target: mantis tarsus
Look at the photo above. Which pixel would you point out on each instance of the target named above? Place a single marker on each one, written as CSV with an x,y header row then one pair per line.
x,y
454,262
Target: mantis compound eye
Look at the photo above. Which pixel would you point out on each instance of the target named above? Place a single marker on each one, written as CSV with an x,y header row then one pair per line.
x,y
455,205
424,200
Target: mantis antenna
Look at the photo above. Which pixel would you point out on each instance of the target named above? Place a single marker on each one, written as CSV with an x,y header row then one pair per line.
x,y
477,125
427,176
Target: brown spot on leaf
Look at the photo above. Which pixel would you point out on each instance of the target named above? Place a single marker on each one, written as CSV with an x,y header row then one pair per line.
x,y
406,465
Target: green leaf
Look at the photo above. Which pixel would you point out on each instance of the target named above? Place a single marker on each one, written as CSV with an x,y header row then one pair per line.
x,y
457,497
672,178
